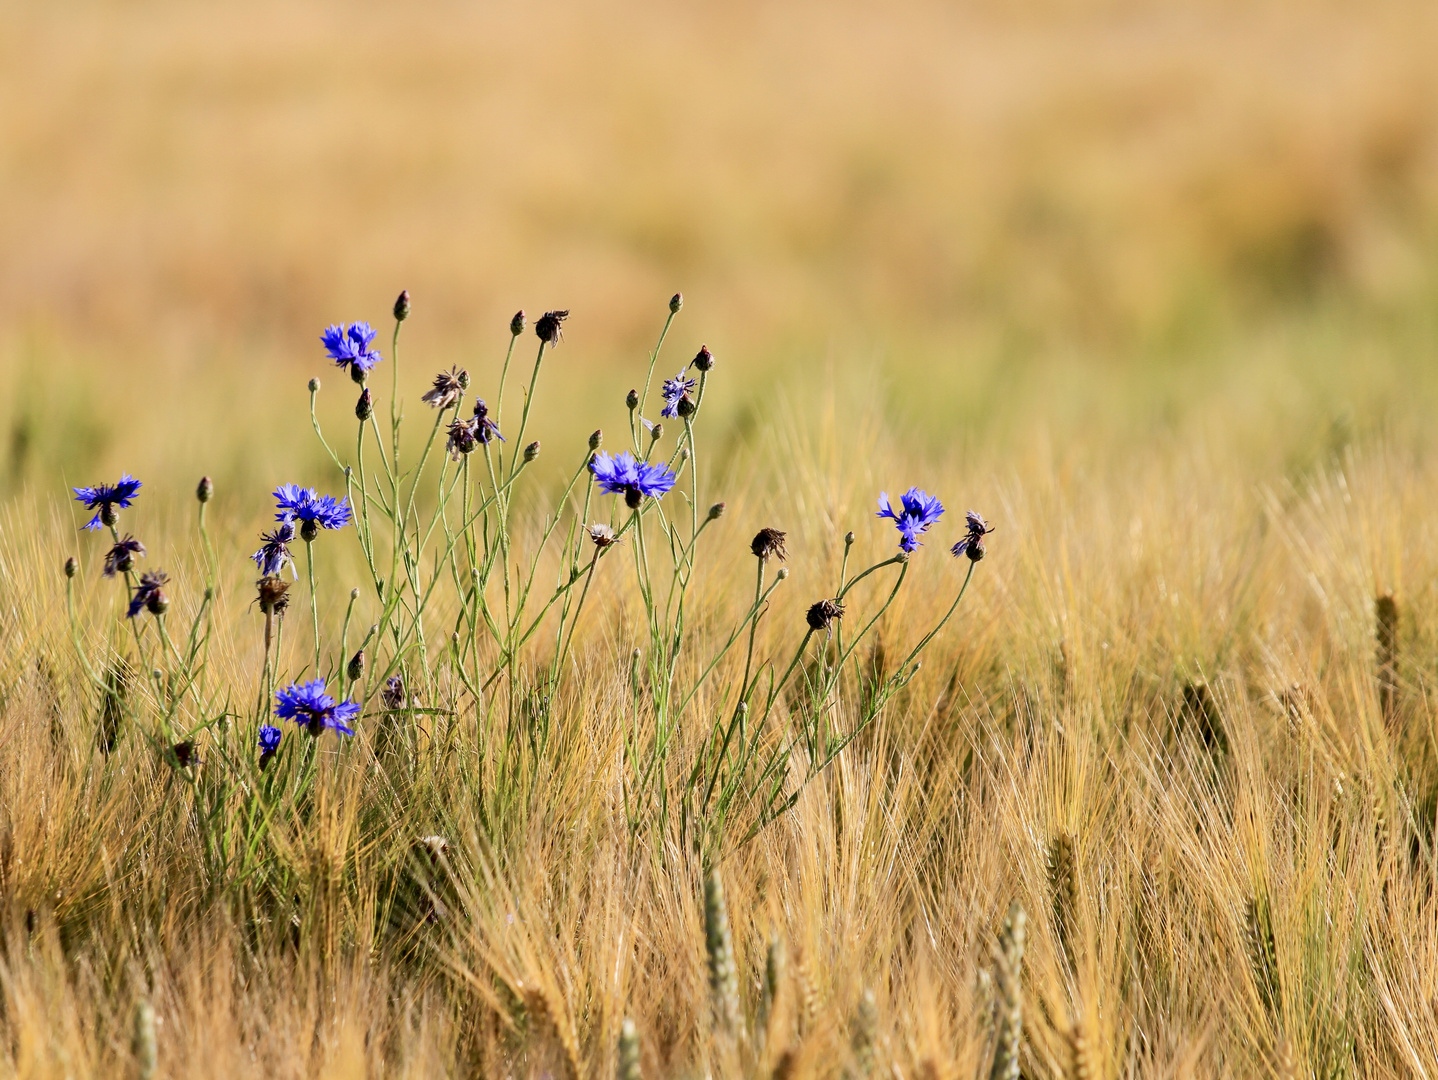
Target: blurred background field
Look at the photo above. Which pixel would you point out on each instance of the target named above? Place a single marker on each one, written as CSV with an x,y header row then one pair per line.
x,y
997,220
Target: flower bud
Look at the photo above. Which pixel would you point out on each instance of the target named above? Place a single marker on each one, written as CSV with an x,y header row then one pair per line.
x,y
631,400
704,360
158,603
314,386
716,511
685,406
683,454
743,707
401,306
676,302
531,451
354,594
783,573
355,670
71,567
463,379
309,530
849,538
596,440
656,432
518,323
364,407
206,491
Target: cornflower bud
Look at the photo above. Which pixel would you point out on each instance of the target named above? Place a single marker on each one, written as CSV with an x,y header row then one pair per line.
x,y
206,490
531,451
704,359
716,511
401,306
783,572
355,670
71,567
676,302
849,538
364,407
354,594
314,386
631,399
518,323
656,432
596,440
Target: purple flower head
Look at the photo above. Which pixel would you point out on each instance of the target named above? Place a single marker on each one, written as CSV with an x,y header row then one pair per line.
x,y
312,510
149,593
676,396
919,510
308,704
121,557
623,474
349,347
485,429
274,556
972,544
269,743
105,499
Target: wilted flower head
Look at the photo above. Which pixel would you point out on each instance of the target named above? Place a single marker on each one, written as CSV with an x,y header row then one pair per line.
x,y
602,535
149,594
393,695
623,474
448,386
271,595
821,616
550,326
349,347
105,499
972,544
485,429
274,554
769,542
308,507
461,439
676,396
185,754
919,510
308,704
269,743
121,557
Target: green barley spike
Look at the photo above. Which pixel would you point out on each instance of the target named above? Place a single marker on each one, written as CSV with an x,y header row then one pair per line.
x,y
723,978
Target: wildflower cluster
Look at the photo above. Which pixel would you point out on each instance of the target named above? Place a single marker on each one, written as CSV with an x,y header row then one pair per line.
x,y
463,623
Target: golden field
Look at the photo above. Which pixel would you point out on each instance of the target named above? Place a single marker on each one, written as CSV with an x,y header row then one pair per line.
x,y
1149,284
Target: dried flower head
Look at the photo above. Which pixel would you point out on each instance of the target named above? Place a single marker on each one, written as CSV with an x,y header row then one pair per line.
x,y
550,327
348,345
185,754
485,429
149,594
447,388
972,544
623,474
121,558
821,616
105,499
270,595
393,695
461,439
602,535
918,511
768,542
307,704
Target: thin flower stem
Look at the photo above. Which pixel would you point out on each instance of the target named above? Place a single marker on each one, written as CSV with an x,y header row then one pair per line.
x,y
654,359
314,601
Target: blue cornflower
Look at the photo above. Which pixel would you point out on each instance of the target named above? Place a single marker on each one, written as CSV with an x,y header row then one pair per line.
x,y
269,743
309,705
623,474
972,544
274,556
106,499
120,559
312,510
676,396
920,510
485,429
349,347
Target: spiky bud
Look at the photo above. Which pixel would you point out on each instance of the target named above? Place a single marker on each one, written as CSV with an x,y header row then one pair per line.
x,y
704,359
531,451
206,489
355,670
401,306
716,511
656,433
314,386
72,567
631,400
364,407
849,538
597,439
463,379
518,323
676,302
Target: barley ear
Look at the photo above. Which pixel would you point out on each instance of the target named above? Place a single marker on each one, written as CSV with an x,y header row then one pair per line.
x,y
628,1051
146,1051
723,978
1009,964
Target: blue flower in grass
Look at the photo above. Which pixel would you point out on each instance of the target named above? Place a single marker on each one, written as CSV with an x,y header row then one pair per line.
x,y
623,474
269,743
918,511
312,510
676,396
105,499
349,347
307,704
275,555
